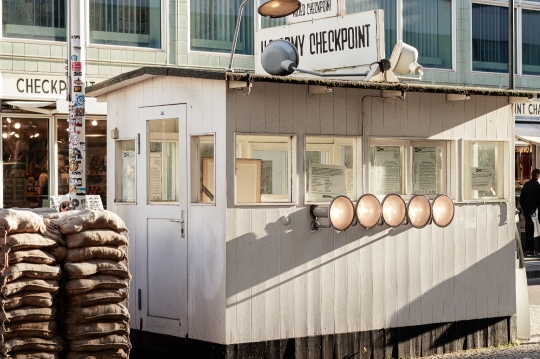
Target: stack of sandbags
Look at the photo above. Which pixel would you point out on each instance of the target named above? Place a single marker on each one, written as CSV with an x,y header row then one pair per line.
x,y
30,279
96,322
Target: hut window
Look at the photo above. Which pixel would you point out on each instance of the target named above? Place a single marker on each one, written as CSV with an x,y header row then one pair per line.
x,y
483,169
126,173
263,169
202,169
331,166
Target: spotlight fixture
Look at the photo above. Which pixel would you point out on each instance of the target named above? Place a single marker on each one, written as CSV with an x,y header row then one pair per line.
x,y
443,210
17,135
8,120
340,214
32,136
4,135
419,211
12,133
368,211
17,125
94,123
394,210
36,135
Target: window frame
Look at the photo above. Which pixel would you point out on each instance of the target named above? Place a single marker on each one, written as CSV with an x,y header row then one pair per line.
x,y
291,168
118,172
194,169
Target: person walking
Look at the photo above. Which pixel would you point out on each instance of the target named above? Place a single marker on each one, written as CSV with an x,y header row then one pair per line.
x,y
529,200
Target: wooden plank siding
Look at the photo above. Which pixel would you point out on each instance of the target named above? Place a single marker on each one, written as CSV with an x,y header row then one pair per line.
x,y
330,283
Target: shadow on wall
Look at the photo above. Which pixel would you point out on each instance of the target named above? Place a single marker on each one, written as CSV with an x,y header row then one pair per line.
x,y
448,289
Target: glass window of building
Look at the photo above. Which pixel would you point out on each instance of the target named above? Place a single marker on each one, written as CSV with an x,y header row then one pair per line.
x,y
330,168
530,43
126,173
213,24
203,169
25,160
125,22
387,167
40,20
483,170
96,157
263,169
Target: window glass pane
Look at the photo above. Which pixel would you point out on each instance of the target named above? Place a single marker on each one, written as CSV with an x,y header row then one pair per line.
x,y
37,19
484,165
389,7
162,161
267,22
213,24
427,25
427,170
531,42
330,168
386,172
204,169
126,171
263,169
490,38
125,22
26,162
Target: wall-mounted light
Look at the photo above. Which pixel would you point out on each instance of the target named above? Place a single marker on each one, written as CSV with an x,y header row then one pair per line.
x,y
17,135
368,211
394,210
36,135
94,123
419,211
340,214
8,120
12,133
17,125
4,135
443,210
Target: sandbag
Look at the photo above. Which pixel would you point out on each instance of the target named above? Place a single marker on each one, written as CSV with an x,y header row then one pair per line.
x,y
52,232
108,354
59,215
96,237
12,221
29,314
26,298
20,241
101,252
94,266
35,344
31,355
90,219
31,329
108,342
98,281
100,296
101,312
42,285
81,331
31,270
59,253
36,256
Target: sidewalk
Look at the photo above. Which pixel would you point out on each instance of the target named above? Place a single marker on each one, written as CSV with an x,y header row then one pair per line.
x,y
532,267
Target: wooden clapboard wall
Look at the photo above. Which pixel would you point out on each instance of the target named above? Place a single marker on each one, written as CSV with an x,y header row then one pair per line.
x,y
284,281
205,101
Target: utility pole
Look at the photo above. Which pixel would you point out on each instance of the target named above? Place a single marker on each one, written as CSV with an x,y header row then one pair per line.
x,y
76,98
511,46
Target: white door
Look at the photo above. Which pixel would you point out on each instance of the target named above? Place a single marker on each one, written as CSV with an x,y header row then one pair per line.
x,y
162,219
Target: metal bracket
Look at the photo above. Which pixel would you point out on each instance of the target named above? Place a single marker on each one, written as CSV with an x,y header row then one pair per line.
x,y
237,85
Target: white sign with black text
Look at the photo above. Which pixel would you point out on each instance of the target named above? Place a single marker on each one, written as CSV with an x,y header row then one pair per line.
x,y
530,109
350,43
314,10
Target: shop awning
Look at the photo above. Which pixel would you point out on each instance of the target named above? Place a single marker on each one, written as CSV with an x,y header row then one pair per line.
x,y
528,132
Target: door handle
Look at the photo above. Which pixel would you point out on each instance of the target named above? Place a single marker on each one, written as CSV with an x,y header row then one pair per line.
x,y
181,221
177,220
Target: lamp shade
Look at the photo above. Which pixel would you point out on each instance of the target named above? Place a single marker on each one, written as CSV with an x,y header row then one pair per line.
x,y
443,210
368,211
341,213
419,211
394,210
278,8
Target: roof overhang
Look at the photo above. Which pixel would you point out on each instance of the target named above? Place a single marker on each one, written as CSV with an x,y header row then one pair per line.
x,y
528,132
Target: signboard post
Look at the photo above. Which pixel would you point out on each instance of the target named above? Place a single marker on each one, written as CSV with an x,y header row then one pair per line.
x,y
76,99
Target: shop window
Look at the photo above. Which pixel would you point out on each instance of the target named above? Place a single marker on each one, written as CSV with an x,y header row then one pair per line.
x,y
408,167
162,160
203,169
331,165
483,170
34,19
263,169
126,171
25,153
125,23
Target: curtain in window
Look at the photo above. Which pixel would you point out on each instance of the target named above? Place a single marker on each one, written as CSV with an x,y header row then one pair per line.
x,y
213,23
530,51
489,38
125,22
389,7
34,19
427,25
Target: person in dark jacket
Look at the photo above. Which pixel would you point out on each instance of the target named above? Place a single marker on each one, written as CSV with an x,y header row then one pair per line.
x,y
529,201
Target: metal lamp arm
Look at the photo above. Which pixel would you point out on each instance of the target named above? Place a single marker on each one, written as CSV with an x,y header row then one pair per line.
x,y
238,21
291,67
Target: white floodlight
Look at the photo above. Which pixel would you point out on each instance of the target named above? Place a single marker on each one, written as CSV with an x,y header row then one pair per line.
x,y
419,211
368,211
394,210
443,210
340,213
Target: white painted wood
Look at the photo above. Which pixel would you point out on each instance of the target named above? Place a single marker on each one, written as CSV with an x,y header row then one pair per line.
x,y
317,321
354,284
471,272
379,278
415,276
258,253
390,269
438,268
426,268
482,262
449,274
493,213
367,281
460,243
340,279
403,274
286,277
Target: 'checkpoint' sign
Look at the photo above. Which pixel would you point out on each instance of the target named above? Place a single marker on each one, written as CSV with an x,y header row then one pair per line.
x,y
350,42
529,109
314,10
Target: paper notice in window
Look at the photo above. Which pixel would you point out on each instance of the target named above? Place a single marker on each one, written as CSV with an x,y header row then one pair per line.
x,y
154,176
326,181
482,178
425,170
128,185
387,169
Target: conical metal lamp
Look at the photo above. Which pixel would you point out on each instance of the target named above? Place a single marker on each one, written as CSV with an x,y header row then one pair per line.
x,y
278,8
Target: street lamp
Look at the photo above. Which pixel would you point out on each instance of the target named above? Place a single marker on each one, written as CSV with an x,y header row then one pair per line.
x,y
270,8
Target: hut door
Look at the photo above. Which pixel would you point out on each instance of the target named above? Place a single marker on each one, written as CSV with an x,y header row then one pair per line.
x,y
162,220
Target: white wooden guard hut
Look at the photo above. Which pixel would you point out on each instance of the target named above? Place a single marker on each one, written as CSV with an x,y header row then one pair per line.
x,y
216,187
